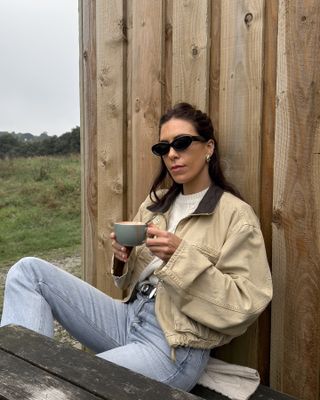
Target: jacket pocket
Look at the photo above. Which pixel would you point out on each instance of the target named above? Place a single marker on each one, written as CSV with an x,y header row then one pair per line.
x,y
212,254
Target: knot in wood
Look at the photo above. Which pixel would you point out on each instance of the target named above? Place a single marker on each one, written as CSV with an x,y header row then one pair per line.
x,y
277,217
137,105
121,24
104,77
117,187
248,18
112,110
105,158
123,28
168,30
194,50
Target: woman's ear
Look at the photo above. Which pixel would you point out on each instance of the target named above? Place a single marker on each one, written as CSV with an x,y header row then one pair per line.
x,y
210,147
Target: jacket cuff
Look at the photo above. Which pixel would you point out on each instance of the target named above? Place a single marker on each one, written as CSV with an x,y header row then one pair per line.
x,y
119,271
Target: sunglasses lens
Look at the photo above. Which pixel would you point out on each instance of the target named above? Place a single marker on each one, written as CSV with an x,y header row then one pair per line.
x,y
160,149
181,143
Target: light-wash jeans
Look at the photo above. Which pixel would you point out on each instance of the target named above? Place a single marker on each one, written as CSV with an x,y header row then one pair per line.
x,y
127,334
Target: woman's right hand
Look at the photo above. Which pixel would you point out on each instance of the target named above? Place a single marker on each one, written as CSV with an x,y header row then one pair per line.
x,y
120,252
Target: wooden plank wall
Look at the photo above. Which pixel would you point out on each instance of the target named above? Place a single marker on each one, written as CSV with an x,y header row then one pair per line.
x,y
147,68
295,355
253,65
190,52
240,131
88,93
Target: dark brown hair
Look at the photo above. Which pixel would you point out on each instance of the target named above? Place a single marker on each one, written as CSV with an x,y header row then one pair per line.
x,y
203,125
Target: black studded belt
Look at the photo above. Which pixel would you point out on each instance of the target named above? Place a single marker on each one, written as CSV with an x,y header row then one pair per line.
x,y
148,290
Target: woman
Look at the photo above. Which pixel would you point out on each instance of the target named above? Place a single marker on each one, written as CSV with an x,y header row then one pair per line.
x,y
200,279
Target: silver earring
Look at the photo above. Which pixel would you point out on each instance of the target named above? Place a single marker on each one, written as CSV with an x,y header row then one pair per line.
x,y
208,158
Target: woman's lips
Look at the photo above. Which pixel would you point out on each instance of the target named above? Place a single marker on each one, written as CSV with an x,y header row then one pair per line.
x,y
177,168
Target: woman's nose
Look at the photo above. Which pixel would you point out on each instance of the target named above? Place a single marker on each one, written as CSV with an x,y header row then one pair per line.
x,y
173,153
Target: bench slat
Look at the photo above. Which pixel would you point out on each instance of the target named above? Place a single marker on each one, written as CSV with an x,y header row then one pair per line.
x,y
101,378
91,373
20,381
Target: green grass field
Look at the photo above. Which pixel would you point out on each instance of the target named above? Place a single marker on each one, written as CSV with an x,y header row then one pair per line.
x,y
39,207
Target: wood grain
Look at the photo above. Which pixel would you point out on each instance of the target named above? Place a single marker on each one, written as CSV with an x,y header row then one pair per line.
x,y
295,339
267,162
147,93
240,95
168,55
44,360
130,190
110,132
240,107
88,99
19,380
214,72
190,59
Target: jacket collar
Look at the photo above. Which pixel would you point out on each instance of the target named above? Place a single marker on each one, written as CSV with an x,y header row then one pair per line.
x,y
210,200
206,206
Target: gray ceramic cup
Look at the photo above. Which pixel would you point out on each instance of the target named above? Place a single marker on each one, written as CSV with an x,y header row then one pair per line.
x,y
130,233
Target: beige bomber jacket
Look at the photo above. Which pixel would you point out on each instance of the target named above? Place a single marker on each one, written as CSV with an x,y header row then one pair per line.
x,y
218,280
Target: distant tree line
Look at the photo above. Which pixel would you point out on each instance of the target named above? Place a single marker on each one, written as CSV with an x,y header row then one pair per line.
x,y
27,145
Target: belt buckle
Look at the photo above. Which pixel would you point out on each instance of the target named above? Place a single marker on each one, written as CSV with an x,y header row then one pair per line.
x,y
148,290
145,288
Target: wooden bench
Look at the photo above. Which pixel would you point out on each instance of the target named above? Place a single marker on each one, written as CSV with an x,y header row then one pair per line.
x,y
36,367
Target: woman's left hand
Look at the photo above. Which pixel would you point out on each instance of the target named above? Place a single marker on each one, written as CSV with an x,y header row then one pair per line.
x,y
161,243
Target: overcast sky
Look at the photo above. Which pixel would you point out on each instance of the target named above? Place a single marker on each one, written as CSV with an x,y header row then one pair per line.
x,y
39,66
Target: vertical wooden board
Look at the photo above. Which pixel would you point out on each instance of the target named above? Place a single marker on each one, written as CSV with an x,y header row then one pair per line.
x,y
268,119
147,93
279,261
214,71
267,161
240,105
241,94
130,192
191,44
295,339
110,131
168,55
88,98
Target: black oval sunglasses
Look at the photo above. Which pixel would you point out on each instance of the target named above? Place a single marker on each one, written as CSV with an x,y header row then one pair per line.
x,y
179,144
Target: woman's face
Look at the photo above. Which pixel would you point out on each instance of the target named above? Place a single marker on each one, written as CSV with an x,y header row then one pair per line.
x,y
187,167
